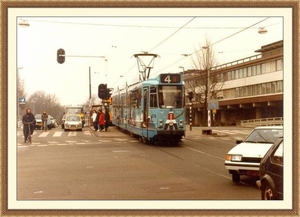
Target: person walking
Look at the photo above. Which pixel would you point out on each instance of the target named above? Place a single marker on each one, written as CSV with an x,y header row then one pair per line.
x,y
106,120
28,118
94,116
101,121
44,120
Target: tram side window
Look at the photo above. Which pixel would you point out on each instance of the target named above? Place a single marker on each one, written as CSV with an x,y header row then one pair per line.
x,y
170,97
153,97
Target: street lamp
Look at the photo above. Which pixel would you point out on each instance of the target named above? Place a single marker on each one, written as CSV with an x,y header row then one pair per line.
x,y
262,30
208,85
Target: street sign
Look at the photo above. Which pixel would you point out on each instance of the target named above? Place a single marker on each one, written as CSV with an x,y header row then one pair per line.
x,y
22,100
213,104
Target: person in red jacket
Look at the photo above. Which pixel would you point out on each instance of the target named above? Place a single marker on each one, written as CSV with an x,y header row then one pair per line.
x,y
101,121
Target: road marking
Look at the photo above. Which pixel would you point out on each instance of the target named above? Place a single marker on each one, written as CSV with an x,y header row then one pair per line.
x,y
43,134
57,134
201,152
87,133
72,134
120,151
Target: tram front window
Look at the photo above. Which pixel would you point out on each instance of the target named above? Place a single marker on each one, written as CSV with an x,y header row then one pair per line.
x,y
170,96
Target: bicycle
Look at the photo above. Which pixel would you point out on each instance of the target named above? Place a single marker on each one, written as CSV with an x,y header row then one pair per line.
x,y
27,132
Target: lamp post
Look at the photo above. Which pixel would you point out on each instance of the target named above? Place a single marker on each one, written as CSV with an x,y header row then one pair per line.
x,y
208,84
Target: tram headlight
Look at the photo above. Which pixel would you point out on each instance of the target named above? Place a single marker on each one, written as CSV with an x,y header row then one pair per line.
x,y
181,123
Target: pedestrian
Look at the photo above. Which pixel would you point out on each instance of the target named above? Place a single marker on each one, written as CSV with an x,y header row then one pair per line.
x,y
106,120
101,121
28,118
94,116
97,119
44,120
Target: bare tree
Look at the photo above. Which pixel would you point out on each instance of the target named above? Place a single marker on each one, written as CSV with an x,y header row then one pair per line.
x,y
204,84
40,101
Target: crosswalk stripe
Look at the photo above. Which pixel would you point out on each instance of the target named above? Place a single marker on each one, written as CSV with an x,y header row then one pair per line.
x,y
57,134
72,134
43,134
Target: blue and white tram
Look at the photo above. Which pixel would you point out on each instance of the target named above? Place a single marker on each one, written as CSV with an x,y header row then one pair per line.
x,y
153,110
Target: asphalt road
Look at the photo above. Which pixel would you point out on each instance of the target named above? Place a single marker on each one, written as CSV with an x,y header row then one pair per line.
x,y
112,165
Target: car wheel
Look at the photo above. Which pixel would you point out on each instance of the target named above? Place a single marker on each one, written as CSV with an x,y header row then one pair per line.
x,y
267,192
236,177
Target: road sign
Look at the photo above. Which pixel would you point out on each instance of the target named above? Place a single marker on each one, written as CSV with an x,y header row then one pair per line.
x,y
22,100
213,104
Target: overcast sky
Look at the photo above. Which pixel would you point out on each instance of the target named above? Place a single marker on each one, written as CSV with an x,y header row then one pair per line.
x,y
118,38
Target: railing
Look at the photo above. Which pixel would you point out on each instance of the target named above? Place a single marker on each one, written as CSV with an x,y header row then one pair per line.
x,y
276,121
236,62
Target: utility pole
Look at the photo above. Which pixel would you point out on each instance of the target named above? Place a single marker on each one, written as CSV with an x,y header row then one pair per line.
x,y
208,85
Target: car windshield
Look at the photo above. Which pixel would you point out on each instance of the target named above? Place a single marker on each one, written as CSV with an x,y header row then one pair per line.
x,y
73,118
264,135
37,116
74,110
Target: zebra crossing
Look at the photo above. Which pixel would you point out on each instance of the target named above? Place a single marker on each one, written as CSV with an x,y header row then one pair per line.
x,y
42,134
50,136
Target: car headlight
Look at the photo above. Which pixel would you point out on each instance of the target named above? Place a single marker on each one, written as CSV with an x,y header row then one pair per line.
x,y
234,157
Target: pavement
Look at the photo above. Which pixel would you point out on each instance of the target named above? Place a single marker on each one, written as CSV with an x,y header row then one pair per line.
x,y
194,131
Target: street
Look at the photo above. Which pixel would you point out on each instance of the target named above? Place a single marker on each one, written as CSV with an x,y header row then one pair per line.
x,y
92,165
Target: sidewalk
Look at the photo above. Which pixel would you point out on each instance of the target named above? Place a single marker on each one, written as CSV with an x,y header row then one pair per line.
x,y
196,131
214,130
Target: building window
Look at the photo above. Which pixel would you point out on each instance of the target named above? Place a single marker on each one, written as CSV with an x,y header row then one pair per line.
x,y
273,87
241,73
272,66
249,71
258,69
236,74
253,70
279,64
263,88
268,90
279,86
263,68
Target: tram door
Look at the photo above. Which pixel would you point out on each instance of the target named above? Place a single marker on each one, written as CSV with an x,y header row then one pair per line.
x,y
145,105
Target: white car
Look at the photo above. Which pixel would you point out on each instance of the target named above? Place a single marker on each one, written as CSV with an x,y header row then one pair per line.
x,y
244,158
73,122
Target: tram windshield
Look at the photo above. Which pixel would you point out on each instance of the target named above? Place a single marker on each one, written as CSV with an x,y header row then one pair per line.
x,y
170,96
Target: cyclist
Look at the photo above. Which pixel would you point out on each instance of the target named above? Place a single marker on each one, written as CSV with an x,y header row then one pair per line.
x,y
44,120
28,118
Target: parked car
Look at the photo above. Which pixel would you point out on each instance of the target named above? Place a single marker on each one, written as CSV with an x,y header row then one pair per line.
x,y
53,123
271,173
245,157
73,122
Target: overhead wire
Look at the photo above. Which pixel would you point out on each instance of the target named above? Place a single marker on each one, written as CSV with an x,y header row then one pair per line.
x,y
213,44
164,40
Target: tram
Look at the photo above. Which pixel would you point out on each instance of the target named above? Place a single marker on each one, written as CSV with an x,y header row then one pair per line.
x,y
152,110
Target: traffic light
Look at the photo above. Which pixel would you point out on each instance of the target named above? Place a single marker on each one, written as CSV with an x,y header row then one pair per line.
x,y
61,56
102,91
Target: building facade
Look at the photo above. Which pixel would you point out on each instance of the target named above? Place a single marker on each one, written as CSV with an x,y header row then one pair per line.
x,y
245,89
